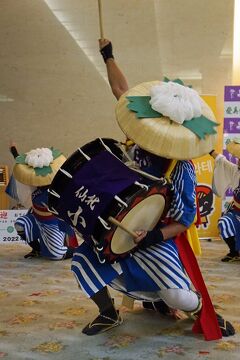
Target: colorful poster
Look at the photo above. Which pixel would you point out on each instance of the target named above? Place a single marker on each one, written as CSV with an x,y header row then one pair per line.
x,y
209,204
231,127
8,233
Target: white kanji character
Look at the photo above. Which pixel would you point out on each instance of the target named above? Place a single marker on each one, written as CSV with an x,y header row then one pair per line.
x,y
76,217
81,196
91,200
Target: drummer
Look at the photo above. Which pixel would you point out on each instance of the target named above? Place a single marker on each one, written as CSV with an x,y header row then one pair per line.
x,y
154,272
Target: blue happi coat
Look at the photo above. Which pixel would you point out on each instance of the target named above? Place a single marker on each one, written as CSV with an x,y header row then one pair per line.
x,y
155,268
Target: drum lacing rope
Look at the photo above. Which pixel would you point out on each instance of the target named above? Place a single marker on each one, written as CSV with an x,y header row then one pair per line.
x,y
109,150
96,243
122,147
121,201
85,155
104,223
106,147
143,186
94,240
54,193
52,210
66,173
143,173
99,259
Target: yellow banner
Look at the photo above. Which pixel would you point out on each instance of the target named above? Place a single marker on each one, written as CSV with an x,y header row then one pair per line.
x,y
210,206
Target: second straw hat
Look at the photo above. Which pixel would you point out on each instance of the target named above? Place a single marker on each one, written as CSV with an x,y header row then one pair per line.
x,y
233,147
38,166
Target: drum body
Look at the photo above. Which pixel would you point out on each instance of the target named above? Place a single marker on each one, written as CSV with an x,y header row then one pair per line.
x,y
94,184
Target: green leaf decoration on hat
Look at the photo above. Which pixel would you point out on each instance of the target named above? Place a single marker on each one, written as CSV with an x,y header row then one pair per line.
x,y
140,105
45,170
20,159
200,126
55,153
178,81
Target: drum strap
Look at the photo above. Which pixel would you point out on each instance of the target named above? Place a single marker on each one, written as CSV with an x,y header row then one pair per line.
x,y
170,169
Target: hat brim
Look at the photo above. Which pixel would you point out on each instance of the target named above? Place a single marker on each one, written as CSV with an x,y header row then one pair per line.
x,y
26,174
162,136
234,149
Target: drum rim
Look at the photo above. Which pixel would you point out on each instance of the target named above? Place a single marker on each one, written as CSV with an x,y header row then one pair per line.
x,y
123,212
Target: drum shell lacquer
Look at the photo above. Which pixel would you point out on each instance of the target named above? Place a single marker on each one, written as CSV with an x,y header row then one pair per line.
x,y
93,184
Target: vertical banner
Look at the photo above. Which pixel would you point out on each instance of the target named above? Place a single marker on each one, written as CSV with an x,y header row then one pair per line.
x,y
231,127
209,204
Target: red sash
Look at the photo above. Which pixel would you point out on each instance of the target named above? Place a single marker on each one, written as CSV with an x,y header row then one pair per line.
x,y
207,321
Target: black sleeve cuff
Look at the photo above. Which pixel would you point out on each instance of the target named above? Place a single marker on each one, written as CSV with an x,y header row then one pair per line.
x,y
153,237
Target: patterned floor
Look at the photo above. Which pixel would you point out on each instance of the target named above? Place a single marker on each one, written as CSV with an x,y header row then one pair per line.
x,y
43,311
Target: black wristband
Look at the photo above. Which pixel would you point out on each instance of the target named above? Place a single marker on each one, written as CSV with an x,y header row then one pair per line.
x,y
153,237
14,151
107,52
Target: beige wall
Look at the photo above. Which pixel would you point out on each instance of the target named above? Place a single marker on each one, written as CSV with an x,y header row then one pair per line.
x,y
59,97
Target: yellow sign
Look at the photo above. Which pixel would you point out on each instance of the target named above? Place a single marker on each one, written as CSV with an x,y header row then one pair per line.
x,y
209,205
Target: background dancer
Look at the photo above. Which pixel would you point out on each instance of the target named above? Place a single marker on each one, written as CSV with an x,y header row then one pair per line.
x,y
227,175
47,235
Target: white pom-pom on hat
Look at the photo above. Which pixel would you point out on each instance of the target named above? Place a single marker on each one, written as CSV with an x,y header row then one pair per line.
x,y
39,157
175,101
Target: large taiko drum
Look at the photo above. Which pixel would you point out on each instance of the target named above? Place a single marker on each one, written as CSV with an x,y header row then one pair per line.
x,y
93,185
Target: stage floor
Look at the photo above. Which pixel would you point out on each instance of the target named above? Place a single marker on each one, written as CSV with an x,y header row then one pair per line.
x,y
43,311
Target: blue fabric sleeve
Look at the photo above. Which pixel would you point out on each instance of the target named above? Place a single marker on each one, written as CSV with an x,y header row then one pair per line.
x,y
183,206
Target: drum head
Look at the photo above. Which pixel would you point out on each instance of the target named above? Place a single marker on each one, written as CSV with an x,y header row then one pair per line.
x,y
144,216
145,209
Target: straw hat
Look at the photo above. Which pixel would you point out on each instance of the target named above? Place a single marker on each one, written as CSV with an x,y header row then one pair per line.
x,y
157,133
233,147
38,167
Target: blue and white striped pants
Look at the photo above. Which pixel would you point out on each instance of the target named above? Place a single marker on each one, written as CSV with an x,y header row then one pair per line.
x,y
51,239
146,271
229,225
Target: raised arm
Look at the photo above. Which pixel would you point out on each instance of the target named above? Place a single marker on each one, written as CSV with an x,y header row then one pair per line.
x,y
13,149
214,154
116,79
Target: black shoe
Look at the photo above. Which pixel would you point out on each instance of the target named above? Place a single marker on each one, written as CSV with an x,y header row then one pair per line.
x,y
231,257
69,253
158,306
225,326
102,323
32,254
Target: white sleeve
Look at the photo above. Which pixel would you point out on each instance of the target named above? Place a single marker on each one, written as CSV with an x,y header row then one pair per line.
x,y
225,175
25,194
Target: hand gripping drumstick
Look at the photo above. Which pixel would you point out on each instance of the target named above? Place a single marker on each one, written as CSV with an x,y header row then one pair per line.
x,y
100,19
116,222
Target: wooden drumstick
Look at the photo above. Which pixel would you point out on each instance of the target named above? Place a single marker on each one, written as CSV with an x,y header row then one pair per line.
x,y
123,227
100,19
